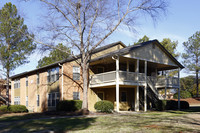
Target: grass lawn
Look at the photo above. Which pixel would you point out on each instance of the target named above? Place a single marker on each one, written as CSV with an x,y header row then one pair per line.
x,y
172,121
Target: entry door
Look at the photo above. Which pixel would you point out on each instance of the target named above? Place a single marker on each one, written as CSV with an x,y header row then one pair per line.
x,y
100,96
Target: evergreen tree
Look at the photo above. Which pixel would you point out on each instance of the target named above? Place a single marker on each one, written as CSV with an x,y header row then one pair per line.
x,y
141,40
15,47
54,55
170,46
192,56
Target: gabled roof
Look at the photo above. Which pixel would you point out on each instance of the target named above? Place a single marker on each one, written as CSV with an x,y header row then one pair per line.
x,y
67,60
122,51
133,47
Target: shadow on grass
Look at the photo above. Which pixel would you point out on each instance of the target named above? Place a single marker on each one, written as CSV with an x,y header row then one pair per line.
x,y
57,125
185,111
9,117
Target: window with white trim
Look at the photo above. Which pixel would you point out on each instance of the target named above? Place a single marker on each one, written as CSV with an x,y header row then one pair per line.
x,y
26,101
76,73
76,96
17,100
53,99
53,74
16,83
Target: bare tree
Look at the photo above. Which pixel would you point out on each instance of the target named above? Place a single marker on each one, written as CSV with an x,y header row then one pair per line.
x,y
85,24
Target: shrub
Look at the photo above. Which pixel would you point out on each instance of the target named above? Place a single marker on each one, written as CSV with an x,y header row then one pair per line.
x,y
104,106
161,105
183,94
170,105
17,108
69,105
184,105
13,108
4,108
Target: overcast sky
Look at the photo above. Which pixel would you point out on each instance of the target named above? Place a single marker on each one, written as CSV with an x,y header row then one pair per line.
x,y
181,21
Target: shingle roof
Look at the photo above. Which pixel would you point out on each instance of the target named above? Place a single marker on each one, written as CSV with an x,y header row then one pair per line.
x,y
122,51
133,47
68,59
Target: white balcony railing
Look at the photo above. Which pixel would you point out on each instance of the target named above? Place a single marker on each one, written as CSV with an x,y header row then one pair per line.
x,y
131,77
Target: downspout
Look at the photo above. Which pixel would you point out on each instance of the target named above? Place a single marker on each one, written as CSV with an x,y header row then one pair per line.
x,y
62,79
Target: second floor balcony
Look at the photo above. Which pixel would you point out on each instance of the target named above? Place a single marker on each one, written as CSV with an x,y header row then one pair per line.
x,y
131,78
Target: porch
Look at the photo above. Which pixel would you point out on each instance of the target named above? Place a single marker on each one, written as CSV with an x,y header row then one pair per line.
x,y
119,72
131,78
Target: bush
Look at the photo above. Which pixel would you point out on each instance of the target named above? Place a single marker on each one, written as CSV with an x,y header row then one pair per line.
x,y
170,105
183,94
184,105
104,106
13,108
17,108
69,105
4,108
161,105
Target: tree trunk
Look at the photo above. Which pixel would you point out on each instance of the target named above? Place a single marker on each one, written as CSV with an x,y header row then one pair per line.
x,y
197,82
7,87
85,84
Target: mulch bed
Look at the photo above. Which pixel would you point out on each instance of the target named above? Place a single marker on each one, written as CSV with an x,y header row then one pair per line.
x,y
191,101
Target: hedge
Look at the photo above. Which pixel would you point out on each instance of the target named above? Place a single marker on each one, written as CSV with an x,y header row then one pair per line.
x,y
13,108
4,108
69,105
170,105
104,106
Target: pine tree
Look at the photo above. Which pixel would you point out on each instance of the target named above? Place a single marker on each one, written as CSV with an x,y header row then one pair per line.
x,y
15,47
192,56
54,55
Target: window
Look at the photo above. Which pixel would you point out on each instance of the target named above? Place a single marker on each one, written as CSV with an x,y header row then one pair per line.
x,y
16,100
123,96
38,78
38,100
17,83
76,96
26,101
76,73
53,99
53,74
26,80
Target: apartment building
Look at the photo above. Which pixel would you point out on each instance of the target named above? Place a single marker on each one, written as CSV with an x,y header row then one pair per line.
x,y
129,77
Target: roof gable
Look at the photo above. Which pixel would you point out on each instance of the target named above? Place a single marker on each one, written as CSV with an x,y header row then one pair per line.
x,y
142,52
153,53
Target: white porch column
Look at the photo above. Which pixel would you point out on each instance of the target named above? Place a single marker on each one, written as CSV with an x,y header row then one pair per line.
x,y
145,87
137,88
137,70
179,107
137,98
117,84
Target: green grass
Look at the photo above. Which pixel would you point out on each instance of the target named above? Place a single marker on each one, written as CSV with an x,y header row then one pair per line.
x,y
170,121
